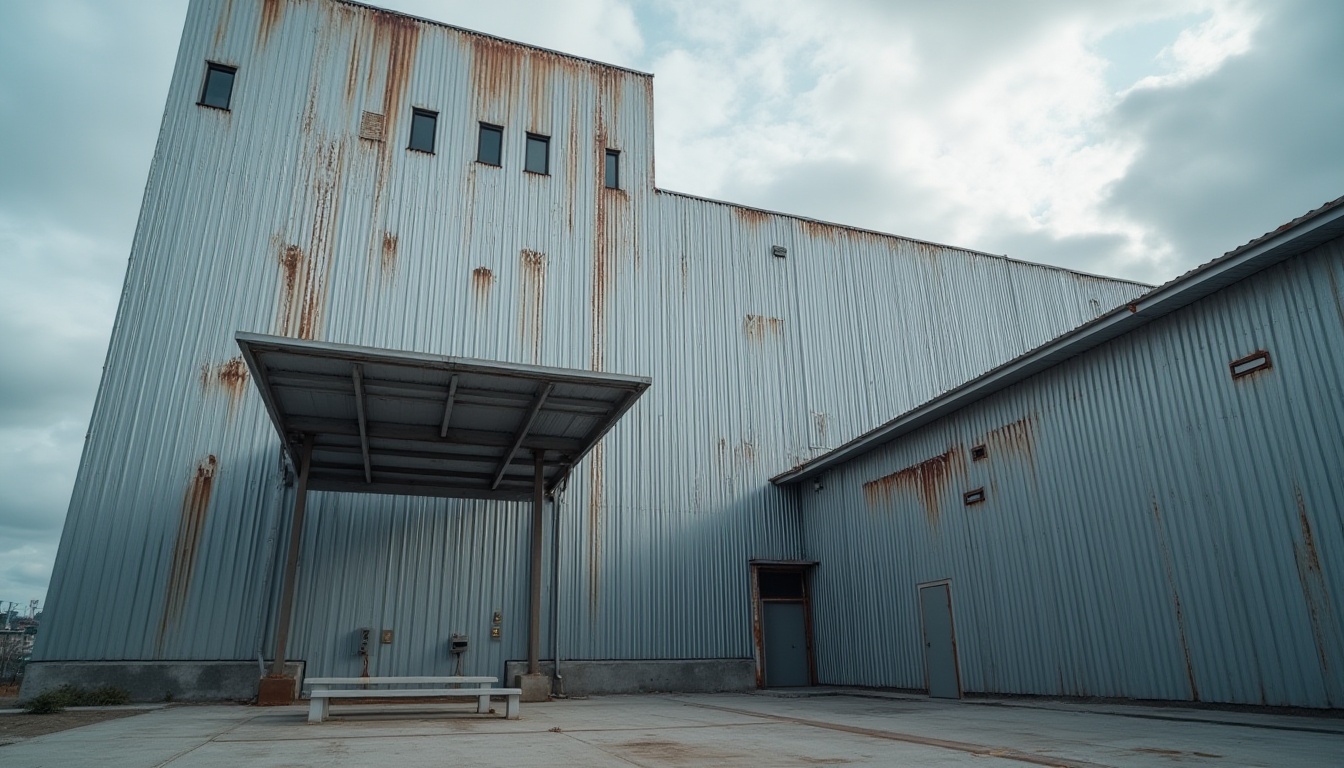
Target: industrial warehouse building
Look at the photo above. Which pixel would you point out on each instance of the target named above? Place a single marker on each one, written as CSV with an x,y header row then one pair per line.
x,y
422,273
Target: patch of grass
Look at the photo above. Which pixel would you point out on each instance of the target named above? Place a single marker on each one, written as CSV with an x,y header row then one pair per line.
x,y
57,699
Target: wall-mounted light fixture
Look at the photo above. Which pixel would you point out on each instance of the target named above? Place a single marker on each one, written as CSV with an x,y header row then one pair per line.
x,y
779,251
979,453
973,497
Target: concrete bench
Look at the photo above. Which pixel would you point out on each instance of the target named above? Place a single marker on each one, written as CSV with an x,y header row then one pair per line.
x,y
324,689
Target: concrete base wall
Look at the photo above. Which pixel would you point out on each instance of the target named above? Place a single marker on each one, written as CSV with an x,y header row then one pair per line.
x,y
586,678
153,680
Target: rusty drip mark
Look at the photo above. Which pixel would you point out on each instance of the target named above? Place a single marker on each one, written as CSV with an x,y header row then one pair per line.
x,y
751,217
760,327
572,161
539,74
482,280
271,11
533,274
929,479
1015,438
399,36
1312,579
819,423
819,230
352,68
685,272
1170,569
326,187
389,260
222,25
292,261
195,503
230,376
596,490
494,74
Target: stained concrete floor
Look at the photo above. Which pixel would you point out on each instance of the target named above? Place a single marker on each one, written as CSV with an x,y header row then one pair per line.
x,y
819,728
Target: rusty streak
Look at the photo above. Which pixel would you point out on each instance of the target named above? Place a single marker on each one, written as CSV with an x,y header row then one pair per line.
x,y
928,478
1312,579
230,376
760,327
389,260
190,527
482,280
751,217
533,276
1170,569
271,11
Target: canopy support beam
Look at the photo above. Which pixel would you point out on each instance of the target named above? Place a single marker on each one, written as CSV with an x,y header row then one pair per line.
x,y
358,373
534,591
292,559
448,406
518,439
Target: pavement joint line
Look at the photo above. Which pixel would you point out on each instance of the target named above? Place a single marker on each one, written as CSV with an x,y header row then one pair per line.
x,y
909,738
1172,718
604,750
212,737
473,733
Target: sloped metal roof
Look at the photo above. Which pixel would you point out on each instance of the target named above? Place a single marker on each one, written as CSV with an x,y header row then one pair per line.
x,y
1297,236
386,421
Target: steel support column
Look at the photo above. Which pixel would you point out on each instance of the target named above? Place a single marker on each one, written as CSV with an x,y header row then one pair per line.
x,y
292,560
534,613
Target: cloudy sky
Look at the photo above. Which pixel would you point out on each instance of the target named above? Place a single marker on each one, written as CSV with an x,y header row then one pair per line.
x,y
1134,138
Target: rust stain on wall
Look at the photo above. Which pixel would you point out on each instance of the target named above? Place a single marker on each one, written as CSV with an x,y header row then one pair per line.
x,y
928,479
1170,568
190,527
396,42
758,328
389,260
229,377
533,276
271,12
482,280
1312,580
292,270
685,272
222,25
1017,438
819,230
540,72
495,70
751,217
596,492
819,424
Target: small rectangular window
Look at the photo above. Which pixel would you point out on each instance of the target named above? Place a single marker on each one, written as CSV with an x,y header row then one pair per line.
x,y
538,154
491,143
613,169
217,91
422,130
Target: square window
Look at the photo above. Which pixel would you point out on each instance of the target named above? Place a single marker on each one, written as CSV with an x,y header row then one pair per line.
x,y
217,91
613,169
492,141
422,130
538,154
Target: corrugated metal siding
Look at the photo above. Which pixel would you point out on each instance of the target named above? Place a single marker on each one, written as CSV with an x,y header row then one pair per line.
x,y
1152,528
277,218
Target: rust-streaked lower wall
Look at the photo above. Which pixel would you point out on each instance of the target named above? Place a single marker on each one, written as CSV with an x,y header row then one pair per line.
x,y
1152,528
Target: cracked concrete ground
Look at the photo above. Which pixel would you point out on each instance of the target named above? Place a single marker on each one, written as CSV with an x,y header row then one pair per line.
x,y
837,728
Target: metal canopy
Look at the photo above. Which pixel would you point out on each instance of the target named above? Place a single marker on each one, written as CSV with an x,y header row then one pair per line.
x,y
385,421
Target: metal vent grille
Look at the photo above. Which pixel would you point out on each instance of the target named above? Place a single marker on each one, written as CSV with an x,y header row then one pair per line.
x,y
371,126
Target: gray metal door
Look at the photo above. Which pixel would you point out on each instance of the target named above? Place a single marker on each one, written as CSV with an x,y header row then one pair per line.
x,y
940,643
785,644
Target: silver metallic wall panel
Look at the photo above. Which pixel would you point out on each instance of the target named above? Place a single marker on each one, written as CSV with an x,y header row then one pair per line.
x,y
276,217
1152,528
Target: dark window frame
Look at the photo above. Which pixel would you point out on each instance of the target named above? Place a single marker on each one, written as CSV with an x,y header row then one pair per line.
x,y
433,134
607,158
480,133
546,141
212,67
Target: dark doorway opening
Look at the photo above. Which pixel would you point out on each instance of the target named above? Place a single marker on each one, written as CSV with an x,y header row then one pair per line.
x,y
782,619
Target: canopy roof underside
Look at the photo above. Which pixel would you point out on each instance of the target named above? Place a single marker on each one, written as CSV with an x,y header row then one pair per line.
x,y
386,421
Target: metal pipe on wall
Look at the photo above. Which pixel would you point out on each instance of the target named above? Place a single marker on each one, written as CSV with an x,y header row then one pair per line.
x,y
292,561
534,618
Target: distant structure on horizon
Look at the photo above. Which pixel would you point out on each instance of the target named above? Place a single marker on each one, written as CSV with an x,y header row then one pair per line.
x,y
393,280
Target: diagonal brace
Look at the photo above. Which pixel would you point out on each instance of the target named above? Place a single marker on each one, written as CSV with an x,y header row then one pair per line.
x,y
448,407
522,434
357,372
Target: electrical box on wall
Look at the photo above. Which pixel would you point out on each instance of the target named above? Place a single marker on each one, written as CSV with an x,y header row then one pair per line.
x,y
363,648
387,637
457,643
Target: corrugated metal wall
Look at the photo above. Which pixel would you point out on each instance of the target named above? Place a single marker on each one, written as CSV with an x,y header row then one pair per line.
x,y
276,217
1152,529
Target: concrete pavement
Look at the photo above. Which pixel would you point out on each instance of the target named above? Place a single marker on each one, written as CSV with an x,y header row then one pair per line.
x,y
764,729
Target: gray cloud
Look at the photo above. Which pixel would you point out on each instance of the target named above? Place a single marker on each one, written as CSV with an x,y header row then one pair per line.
x,y
1253,145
